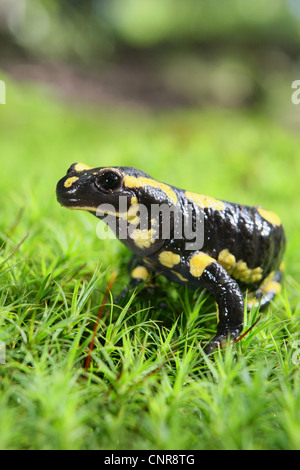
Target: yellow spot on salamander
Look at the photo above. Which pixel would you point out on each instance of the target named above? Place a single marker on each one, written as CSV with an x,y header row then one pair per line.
x,y
227,260
273,287
140,272
142,181
82,167
269,285
205,201
252,302
198,263
130,215
70,181
83,208
168,259
218,313
180,277
269,216
143,238
239,269
256,275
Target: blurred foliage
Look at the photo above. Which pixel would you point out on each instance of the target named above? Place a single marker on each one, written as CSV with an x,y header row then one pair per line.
x,y
98,28
229,52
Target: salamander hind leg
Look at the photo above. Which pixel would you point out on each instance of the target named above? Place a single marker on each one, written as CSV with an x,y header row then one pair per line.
x,y
266,292
228,296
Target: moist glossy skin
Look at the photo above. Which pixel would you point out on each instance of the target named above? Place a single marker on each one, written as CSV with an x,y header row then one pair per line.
x,y
242,246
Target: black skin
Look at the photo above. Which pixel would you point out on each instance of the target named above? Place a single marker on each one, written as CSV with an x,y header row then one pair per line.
x,y
241,230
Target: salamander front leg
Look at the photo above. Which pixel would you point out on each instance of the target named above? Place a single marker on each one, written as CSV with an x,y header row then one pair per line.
x,y
139,273
228,296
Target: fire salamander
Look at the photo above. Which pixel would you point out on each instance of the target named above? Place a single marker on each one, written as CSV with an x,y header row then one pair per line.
x,y
241,250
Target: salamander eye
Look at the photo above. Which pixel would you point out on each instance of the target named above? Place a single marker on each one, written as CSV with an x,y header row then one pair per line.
x,y
109,181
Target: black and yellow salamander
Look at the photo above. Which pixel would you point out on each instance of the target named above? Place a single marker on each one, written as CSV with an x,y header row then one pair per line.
x,y
241,248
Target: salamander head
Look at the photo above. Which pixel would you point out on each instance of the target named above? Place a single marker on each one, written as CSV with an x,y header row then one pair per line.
x,y
118,194
87,188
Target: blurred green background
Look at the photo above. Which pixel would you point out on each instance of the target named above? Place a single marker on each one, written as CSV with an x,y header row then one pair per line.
x,y
197,93
157,53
